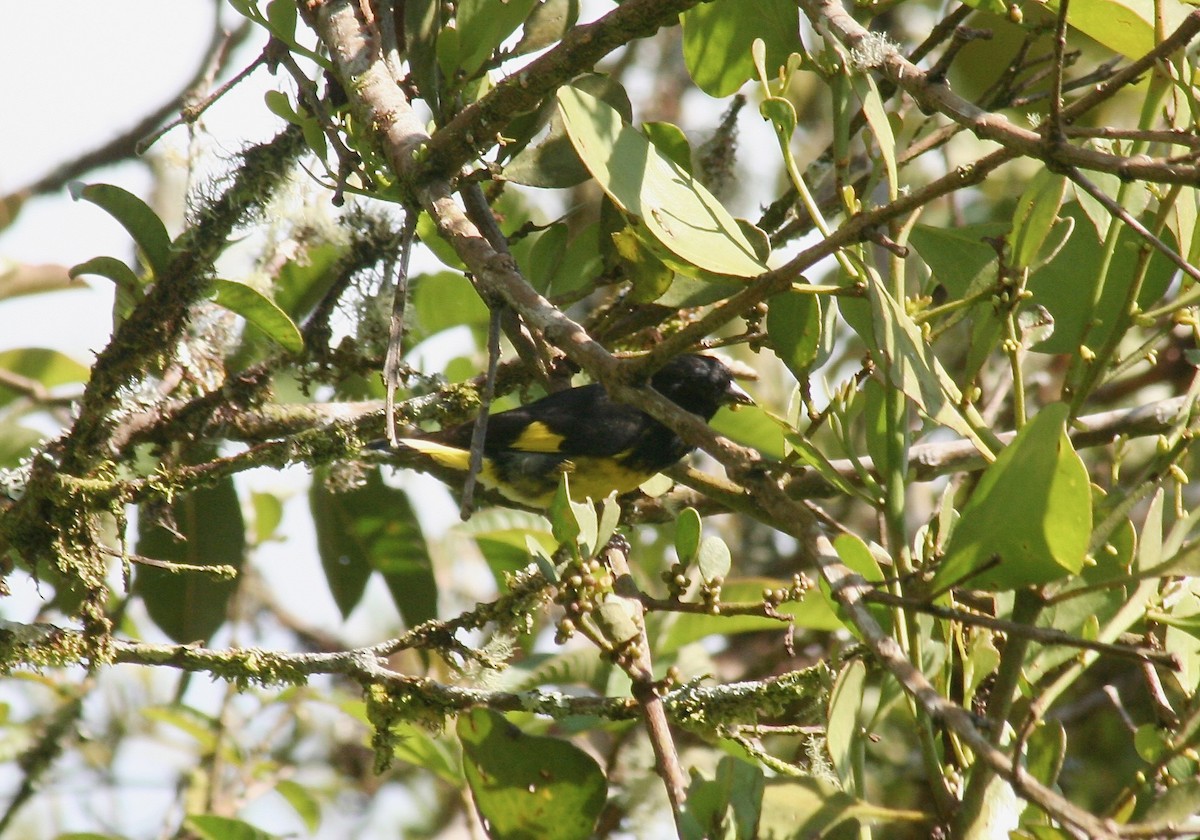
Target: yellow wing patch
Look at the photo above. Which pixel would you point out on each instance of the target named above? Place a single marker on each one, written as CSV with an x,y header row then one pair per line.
x,y
448,456
597,477
537,437
590,476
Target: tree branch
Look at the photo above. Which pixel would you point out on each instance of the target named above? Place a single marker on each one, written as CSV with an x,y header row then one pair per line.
x,y
933,94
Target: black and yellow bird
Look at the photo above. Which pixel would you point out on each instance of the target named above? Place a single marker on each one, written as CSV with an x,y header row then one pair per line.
x,y
604,445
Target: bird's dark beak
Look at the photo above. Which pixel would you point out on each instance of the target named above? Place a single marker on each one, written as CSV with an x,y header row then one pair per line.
x,y
735,396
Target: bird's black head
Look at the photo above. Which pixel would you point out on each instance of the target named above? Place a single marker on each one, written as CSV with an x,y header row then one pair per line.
x,y
699,384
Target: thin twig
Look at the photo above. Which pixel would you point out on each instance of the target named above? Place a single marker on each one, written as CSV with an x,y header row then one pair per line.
x,y
1121,213
193,110
1054,122
395,350
932,94
1041,635
637,664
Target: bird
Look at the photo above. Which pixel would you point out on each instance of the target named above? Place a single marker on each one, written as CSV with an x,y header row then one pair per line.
x,y
604,445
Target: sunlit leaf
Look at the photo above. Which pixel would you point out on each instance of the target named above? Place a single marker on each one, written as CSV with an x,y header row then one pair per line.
x,y
136,216
1124,26
1066,284
304,803
677,209
211,827
483,25
528,785
713,559
40,365
687,535
717,38
842,732
259,311
1029,519
1036,212
794,327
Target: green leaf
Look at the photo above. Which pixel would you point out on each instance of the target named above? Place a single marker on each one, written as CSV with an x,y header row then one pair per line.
x,y
619,618
1065,285
1150,541
794,327
959,257
810,454
189,606
678,210
268,513
804,807
879,444
610,518
302,283
1151,743
1189,624
280,105
713,559
1030,517
444,300
540,264
17,442
1035,214
1178,806
581,264
373,528
857,557
422,24
1046,751
687,292
564,524
671,141
877,119
528,786
18,279
209,827
189,720
549,21
259,311
717,37
751,426
738,787
448,50
130,288
135,215
1124,26
415,746
281,16
502,536
780,112
843,731
48,368
589,526
648,275
306,806
553,163
687,534
482,27
908,359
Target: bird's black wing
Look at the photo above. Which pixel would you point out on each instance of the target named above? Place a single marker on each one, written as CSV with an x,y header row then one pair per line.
x,y
574,422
